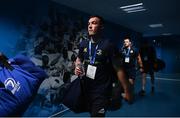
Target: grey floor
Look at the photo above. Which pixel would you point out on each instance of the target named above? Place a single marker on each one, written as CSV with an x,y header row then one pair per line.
x,y
164,103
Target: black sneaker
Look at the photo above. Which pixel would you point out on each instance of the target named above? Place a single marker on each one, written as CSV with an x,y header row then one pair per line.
x,y
142,93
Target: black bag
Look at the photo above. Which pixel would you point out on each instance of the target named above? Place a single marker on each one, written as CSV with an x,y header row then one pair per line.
x,y
74,97
115,98
159,65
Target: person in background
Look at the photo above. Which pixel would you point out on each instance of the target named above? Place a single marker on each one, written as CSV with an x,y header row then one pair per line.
x,y
130,58
148,56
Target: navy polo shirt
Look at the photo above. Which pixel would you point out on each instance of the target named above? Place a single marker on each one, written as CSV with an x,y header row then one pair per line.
x,y
133,54
105,55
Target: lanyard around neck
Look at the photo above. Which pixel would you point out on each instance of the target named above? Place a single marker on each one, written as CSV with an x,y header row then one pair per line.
x,y
92,57
127,53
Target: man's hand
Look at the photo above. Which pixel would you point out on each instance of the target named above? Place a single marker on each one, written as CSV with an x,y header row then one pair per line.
x,y
78,71
141,69
78,67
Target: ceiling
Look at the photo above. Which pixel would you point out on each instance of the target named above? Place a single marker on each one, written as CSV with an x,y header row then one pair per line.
x,y
166,12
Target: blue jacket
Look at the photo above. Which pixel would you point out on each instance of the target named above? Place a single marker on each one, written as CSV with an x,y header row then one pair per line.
x,y
19,86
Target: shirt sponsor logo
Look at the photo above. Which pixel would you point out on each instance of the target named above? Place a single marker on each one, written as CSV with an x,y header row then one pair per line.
x,y
85,50
131,51
12,85
99,52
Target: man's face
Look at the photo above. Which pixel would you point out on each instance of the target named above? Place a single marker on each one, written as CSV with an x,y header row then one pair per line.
x,y
127,43
94,26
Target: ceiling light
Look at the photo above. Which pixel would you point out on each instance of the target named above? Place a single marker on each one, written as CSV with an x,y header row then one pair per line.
x,y
166,34
155,25
133,5
133,8
136,10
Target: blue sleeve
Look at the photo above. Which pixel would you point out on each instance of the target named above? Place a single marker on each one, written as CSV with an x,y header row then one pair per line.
x,y
19,86
26,64
9,104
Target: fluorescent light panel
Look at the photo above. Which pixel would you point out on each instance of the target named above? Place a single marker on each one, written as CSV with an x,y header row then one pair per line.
x,y
136,10
166,34
133,5
155,25
133,8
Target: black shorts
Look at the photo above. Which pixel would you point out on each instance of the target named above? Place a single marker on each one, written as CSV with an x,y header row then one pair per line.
x,y
130,73
97,104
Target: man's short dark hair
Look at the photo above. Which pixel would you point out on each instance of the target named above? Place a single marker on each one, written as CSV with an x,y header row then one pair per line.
x,y
101,18
127,37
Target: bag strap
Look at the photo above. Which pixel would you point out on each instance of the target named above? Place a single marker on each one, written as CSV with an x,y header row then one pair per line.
x,y
4,62
83,86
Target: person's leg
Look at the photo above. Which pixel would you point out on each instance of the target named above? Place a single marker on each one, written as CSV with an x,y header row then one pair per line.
x,y
132,76
125,84
142,92
143,81
131,81
152,82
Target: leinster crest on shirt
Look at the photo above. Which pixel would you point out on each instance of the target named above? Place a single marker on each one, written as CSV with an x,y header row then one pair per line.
x,y
12,85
